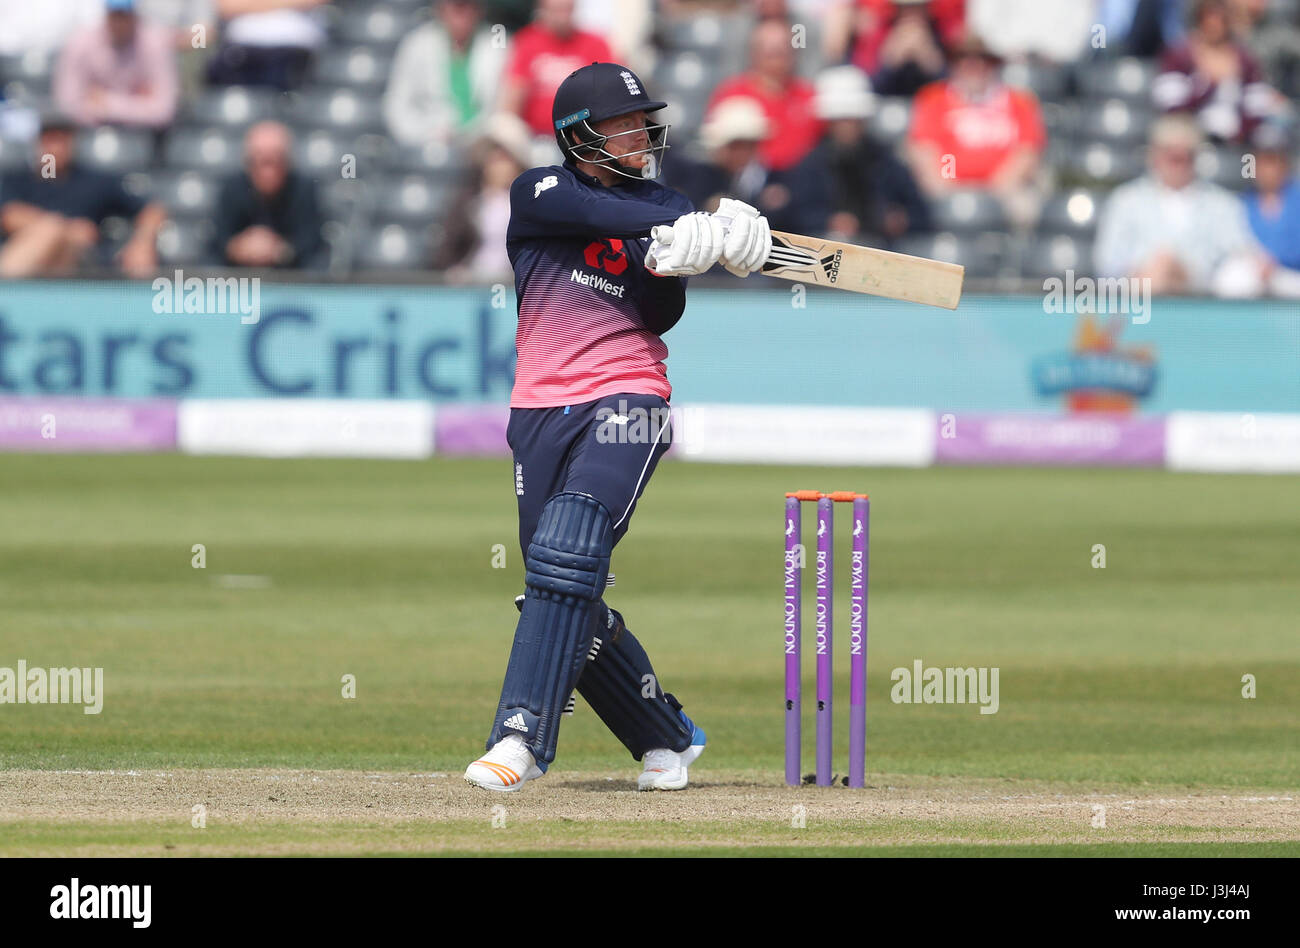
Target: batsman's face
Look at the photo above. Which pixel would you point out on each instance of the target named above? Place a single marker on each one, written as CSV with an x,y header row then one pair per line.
x,y
628,134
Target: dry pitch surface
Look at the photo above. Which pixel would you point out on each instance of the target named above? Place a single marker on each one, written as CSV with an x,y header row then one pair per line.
x,y
289,812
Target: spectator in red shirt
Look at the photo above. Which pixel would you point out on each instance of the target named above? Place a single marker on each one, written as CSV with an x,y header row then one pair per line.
x,y
545,52
787,100
973,131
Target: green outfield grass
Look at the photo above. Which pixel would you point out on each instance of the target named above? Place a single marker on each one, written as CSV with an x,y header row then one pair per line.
x,y
465,839
1129,675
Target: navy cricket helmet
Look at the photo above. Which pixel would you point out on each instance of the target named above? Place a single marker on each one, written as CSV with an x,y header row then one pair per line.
x,y
602,91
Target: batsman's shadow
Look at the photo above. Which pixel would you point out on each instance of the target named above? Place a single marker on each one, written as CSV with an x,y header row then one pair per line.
x,y
628,785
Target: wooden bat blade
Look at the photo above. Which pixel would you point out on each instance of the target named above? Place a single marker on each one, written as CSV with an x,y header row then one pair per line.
x,y
841,266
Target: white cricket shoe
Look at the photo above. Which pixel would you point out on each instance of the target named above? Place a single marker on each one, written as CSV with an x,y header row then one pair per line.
x,y
666,769
506,767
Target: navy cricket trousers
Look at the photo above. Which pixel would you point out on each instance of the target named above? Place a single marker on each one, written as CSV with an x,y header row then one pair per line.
x,y
607,448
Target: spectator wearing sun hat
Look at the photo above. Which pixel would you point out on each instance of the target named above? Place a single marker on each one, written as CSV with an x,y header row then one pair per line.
x,y
853,185
730,167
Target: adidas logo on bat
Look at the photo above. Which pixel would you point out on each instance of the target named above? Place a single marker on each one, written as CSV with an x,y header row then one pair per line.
x,y
831,265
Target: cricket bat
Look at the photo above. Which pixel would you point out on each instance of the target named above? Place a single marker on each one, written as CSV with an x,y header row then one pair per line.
x,y
897,276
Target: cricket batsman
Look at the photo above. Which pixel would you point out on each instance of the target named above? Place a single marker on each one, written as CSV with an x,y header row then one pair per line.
x,y
595,296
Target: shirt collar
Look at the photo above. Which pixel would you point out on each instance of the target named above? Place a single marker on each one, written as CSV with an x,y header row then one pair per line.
x,y
582,176
587,179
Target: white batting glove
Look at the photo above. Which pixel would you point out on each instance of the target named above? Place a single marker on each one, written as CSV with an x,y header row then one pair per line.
x,y
748,240
690,246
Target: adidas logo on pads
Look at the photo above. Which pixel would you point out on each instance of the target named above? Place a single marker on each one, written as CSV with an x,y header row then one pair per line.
x,y
516,722
595,648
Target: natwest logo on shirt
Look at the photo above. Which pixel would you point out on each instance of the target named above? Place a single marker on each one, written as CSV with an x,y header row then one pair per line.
x,y
607,255
598,282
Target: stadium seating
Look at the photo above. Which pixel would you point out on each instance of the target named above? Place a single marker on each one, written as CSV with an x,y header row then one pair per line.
x,y
1054,255
891,119
116,150
13,154
187,194
184,243
1072,213
395,247
232,107
1097,115
214,151
967,211
26,76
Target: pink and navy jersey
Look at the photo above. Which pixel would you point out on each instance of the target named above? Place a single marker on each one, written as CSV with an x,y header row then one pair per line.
x,y
590,313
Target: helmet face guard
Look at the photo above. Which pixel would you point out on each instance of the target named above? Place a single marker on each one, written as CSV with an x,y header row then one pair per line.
x,y
593,143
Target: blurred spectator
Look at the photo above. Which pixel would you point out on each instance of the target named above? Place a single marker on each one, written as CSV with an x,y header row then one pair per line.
x,y
786,99
1055,31
810,17
545,52
973,130
911,55
187,22
730,139
1273,208
180,17
898,43
122,71
626,25
855,185
1215,78
268,215
473,247
51,215
514,15
27,27
1274,41
444,77
1144,28
1185,235
266,42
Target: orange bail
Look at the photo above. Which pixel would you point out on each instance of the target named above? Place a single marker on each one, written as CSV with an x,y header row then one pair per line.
x,y
845,496
805,494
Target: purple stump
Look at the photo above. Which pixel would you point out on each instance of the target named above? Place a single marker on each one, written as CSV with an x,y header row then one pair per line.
x,y
860,566
793,605
825,637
